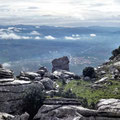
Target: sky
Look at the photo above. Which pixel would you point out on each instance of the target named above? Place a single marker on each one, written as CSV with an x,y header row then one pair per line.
x,y
60,12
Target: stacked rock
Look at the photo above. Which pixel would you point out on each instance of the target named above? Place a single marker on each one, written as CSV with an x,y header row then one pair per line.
x,y
6,75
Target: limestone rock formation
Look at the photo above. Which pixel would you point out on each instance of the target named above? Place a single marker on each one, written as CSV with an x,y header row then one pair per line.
x,y
76,112
11,94
28,75
42,71
24,116
60,64
63,74
5,73
5,116
48,83
109,105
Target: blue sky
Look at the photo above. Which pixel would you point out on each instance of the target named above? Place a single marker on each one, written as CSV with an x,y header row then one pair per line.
x,y
60,12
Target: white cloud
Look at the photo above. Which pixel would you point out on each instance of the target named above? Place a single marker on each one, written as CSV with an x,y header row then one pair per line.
x,y
49,37
26,37
35,33
7,36
37,38
93,35
69,38
73,37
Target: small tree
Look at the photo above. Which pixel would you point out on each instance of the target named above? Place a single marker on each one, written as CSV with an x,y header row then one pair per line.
x,y
115,53
33,100
89,72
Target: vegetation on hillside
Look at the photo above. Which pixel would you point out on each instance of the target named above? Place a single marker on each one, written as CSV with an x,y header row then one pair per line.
x,y
82,89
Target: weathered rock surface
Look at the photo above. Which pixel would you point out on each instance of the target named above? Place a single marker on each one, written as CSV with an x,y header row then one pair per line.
x,y
24,116
102,80
5,116
60,64
63,74
48,83
28,75
75,112
11,94
4,73
42,71
109,105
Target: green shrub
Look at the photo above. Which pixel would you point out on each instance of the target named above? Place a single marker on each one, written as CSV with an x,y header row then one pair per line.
x,y
89,72
33,100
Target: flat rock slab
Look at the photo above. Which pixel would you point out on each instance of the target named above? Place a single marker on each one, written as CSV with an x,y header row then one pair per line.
x,y
6,80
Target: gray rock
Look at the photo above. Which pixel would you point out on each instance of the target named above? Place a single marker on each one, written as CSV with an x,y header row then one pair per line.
x,y
102,80
63,74
24,78
5,73
38,78
7,80
57,112
30,75
48,83
11,94
42,71
76,112
109,105
102,72
5,116
87,78
60,64
24,116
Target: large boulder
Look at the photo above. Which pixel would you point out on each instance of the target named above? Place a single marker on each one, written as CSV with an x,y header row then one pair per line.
x,y
12,93
60,64
48,83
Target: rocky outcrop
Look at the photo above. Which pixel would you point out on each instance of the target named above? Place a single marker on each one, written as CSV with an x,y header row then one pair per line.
x,y
42,71
24,116
48,83
102,80
60,64
12,93
63,74
5,116
76,112
5,73
28,75
109,105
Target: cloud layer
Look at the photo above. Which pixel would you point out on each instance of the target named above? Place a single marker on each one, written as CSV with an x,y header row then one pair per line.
x,y
60,12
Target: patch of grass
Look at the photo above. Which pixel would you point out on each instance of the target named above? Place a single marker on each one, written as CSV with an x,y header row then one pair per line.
x,y
82,89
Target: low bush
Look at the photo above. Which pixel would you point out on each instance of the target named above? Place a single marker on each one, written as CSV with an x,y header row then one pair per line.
x,y
32,101
89,72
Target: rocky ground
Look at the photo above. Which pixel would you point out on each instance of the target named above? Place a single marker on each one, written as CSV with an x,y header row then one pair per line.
x,y
67,96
